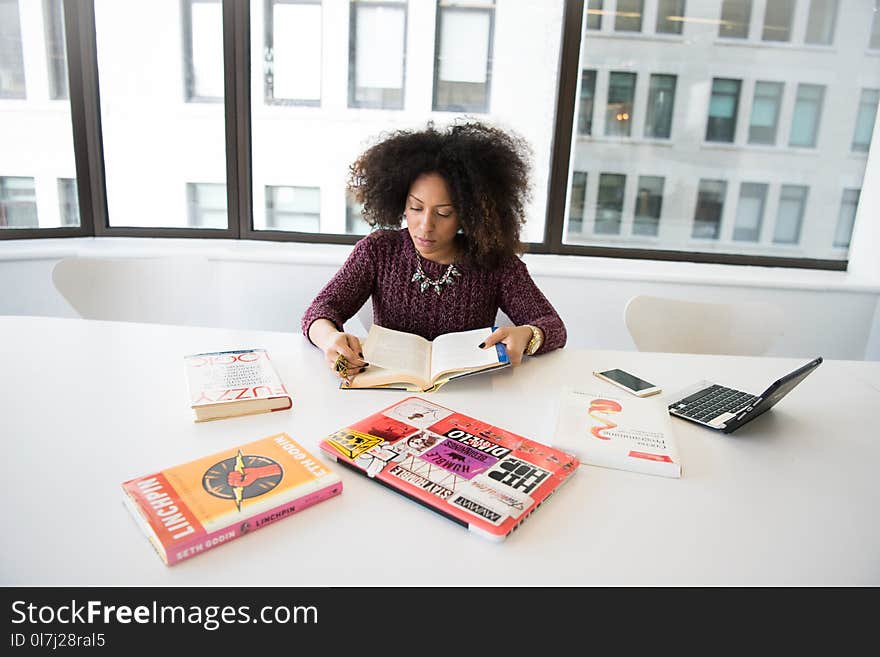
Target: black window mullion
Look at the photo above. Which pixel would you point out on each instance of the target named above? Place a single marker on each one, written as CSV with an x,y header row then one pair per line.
x,y
236,65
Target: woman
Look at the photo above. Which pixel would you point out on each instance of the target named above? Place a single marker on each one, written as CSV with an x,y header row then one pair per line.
x,y
461,193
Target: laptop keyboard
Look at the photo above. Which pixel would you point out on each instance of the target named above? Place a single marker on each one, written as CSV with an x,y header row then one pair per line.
x,y
709,403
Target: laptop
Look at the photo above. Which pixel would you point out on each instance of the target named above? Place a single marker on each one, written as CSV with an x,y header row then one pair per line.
x,y
727,409
486,479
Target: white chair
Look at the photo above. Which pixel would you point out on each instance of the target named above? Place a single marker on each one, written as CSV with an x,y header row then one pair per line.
x,y
672,325
163,290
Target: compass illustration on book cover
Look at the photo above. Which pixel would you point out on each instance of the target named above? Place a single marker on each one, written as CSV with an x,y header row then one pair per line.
x,y
242,477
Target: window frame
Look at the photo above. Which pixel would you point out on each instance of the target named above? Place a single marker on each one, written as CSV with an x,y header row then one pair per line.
x,y
352,53
80,39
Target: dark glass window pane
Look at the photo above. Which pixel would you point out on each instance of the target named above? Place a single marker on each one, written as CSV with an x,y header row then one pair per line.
x,y
206,205
68,202
293,208
710,205
609,205
11,58
750,212
735,17
874,42
355,224
55,52
661,100
577,202
463,59
594,15
649,203
721,125
18,202
807,115
669,16
765,112
585,110
629,16
792,201
203,40
821,22
777,20
847,217
292,53
865,119
618,113
377,50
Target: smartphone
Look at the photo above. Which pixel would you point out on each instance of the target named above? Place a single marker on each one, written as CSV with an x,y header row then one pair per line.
x,y
629,382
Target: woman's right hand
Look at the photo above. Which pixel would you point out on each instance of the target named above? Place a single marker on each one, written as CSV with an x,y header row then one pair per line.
x,y
343,354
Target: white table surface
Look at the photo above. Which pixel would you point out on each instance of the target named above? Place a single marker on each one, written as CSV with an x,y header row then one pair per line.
x,y
789,499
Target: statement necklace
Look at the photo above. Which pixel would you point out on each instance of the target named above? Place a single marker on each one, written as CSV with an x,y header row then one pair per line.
x,y
448,277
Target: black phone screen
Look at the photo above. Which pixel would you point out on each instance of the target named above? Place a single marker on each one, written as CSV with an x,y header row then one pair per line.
x,y
627,379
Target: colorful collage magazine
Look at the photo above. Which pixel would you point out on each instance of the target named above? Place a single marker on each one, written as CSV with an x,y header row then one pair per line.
x,y
476,474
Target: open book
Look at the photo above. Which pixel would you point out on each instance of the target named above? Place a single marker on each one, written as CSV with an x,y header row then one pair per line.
x,y
405,361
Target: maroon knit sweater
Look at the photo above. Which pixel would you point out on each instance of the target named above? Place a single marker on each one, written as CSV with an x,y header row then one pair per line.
x,y
381,266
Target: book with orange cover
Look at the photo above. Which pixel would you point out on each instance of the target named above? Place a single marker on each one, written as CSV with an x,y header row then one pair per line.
x,y
232,383
192,507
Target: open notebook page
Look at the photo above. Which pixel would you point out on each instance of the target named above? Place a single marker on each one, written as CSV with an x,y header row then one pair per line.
x,y
398,352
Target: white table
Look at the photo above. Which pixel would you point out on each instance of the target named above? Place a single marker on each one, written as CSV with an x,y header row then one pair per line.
x,y
790,499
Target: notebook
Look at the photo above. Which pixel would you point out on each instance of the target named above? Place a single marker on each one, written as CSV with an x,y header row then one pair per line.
x,y
727,409
480,476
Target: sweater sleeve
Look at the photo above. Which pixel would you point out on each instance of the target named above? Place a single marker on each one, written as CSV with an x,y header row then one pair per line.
x,y
524,303
347,291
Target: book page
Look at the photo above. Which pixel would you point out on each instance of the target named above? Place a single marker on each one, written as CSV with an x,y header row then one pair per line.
x,y
397,351
461,351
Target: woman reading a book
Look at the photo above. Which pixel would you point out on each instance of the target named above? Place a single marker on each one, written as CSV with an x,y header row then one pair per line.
x,y
461,194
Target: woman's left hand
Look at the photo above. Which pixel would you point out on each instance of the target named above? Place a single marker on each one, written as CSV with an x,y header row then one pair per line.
x,y
515,338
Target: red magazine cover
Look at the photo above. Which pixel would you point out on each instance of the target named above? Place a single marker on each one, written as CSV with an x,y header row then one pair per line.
x,y
483,477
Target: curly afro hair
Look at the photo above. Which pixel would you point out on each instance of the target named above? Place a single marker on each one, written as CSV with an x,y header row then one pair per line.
x,y
485,168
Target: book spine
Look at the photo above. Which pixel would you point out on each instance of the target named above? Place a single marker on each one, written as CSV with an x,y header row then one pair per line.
x,y
205,542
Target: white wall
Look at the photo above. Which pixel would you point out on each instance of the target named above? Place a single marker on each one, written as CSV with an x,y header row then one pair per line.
x,y
269,285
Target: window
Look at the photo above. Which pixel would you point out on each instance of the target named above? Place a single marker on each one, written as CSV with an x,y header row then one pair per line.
x,y
649,202
56,58
377,54
792,201
670,16
578,201
735,17
765,112
594,15
629,16
206,205
292,52
293,208
865,119
609,205
847,217
463,57
710,205
777,20
750,212
618,113
18,203
807,113
11,58
203,39
355,224
723,106
585,109
68,202
661,99
874,42
821,22
156,138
